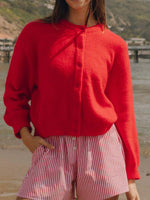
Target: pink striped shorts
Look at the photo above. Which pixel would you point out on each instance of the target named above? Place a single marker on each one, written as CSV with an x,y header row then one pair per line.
x,y
95,165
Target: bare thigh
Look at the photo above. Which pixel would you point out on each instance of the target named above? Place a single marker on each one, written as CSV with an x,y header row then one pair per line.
x,y
21,198
113,198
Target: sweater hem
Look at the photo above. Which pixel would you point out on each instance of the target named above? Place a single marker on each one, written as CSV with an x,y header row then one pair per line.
x,y
71,133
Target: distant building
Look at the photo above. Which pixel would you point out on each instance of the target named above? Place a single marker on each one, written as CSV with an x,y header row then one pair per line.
x,y
5,39
49,6
5,36
6,43
136,41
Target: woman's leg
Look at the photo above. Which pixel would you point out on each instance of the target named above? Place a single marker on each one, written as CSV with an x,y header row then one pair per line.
x,y
20,198
113,198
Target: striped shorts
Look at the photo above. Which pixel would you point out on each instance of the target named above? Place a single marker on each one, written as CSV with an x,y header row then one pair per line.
x,y
88,167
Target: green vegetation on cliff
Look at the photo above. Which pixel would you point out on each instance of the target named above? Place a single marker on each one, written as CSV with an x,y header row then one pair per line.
x,y
127,18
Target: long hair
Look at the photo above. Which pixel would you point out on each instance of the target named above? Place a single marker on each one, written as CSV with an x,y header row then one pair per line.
x,y
96,7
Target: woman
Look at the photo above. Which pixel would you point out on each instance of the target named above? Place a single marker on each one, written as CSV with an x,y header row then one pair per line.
x,y
76,72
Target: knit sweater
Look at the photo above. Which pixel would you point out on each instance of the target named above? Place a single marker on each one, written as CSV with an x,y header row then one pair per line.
x,y
72,80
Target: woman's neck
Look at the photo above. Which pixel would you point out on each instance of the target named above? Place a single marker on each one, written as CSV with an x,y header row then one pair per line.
x,y
78,17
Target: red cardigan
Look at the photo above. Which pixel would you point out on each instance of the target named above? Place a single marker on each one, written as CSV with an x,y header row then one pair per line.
x,y
78,79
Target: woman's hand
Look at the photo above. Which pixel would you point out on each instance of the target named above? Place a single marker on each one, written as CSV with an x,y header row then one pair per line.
x,y
32,142
133,193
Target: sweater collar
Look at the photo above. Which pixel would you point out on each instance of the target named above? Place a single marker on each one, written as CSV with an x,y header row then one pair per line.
x,y
68,24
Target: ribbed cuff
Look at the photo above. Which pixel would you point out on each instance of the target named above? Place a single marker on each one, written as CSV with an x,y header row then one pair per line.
x,y
133,173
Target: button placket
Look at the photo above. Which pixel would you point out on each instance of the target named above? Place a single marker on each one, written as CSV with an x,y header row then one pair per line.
x,y
80,45
74,148
79,64
78,83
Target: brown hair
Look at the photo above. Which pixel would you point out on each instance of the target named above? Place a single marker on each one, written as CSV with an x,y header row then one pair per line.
x,y
97,7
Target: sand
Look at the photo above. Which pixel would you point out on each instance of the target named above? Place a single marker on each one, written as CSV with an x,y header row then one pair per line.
x,y
15,163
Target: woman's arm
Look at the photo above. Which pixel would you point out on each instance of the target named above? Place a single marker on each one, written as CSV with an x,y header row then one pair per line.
x,y
18,86
120,92
24,131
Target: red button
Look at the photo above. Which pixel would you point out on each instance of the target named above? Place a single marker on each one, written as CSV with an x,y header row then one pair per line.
x,y
77,103
75,130
77,84
79,64
82,27
76,122
80,45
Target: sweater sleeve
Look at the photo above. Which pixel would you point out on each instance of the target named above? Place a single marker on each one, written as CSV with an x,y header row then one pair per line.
x,y
120,92
18,88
